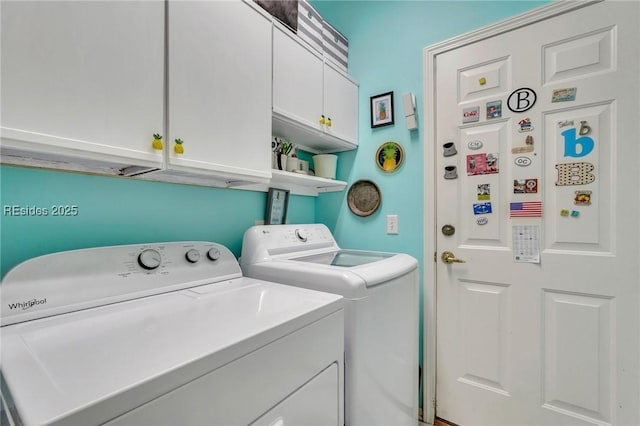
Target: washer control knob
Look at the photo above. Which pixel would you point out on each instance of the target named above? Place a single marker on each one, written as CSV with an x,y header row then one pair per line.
x,y
149,259
213,254
192,256
302,235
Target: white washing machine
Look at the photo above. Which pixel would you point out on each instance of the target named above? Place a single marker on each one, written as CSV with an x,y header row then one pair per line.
x,y
165,334
381,313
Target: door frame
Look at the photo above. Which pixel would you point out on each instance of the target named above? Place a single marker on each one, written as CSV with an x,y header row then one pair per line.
x,y
430,176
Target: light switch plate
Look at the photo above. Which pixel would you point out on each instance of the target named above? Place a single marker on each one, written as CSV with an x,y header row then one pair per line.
x,y
392,224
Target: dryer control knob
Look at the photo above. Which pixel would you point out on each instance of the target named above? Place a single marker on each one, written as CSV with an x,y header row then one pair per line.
x,y
213,254
302,235
149,259
192,255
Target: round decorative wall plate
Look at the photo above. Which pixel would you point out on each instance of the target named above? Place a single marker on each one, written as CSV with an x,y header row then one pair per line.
x,y
389,156
364,198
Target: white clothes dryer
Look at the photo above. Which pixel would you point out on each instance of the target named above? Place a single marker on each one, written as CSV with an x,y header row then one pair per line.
x,y
381,312
165,334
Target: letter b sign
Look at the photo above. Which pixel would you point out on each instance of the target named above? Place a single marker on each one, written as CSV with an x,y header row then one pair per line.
x,y
521,100
571,144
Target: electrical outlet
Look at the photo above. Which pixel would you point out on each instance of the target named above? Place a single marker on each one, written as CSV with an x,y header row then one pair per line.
x,y
392,224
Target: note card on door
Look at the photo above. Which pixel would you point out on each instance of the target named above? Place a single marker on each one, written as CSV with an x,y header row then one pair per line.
x,y
526,243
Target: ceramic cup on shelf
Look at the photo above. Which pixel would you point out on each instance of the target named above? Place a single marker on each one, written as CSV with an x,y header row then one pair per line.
x,y
325,165
303,167
282,162
292,164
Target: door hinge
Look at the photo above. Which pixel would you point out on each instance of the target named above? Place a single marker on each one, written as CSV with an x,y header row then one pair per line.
x,y
435,256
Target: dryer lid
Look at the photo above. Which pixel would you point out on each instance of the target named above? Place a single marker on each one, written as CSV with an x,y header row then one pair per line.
x,y
98,363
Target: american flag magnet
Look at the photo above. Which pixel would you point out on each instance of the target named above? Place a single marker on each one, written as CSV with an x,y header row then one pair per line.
x,y
525,209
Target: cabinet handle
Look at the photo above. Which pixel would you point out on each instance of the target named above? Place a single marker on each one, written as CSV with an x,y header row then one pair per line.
x,y
322,119
157,141
178,148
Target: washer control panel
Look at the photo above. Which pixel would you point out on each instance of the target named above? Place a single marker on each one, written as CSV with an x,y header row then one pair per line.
x,y
172,258
78,279
286,235
263,242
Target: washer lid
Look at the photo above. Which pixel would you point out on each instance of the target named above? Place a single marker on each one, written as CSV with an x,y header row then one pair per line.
x,y
92,365
345,258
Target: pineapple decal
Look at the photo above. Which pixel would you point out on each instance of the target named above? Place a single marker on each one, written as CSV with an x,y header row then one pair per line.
x,y
178,148
389,154
157,141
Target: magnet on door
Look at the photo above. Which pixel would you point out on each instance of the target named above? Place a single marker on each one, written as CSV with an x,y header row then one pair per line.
x,y
582,198
450,172
449,149
585,129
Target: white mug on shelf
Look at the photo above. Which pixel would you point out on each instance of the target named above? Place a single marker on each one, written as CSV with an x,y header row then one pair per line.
x,y
292,164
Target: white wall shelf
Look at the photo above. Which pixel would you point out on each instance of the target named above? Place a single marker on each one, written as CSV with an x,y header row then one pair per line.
x,y
301,184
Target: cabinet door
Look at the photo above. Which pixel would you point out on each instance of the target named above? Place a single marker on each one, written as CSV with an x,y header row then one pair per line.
x,y
84,78
297,81
219,97
341,105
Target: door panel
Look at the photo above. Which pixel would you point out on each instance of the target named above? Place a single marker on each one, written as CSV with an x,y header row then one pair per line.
x,y
483,310
577,372
595,227
541,324
483,188
581,56
496,74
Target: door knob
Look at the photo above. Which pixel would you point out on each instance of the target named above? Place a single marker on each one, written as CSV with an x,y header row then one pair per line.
x,y
448,257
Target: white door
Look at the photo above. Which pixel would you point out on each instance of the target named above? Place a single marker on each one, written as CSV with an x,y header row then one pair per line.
x,y
541,325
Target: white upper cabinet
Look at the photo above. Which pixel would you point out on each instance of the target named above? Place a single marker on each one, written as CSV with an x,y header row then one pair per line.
x,y
297,81
219,91
340,105
87,84
308,91
82,82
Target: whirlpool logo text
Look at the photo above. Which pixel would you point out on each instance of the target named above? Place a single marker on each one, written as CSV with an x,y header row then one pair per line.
x,y
27,304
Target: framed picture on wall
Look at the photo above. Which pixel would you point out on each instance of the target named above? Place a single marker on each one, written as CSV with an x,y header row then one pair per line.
x,y
382,110
277,203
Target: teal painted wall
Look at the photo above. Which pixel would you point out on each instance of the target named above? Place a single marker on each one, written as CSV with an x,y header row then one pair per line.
x,y
114,211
